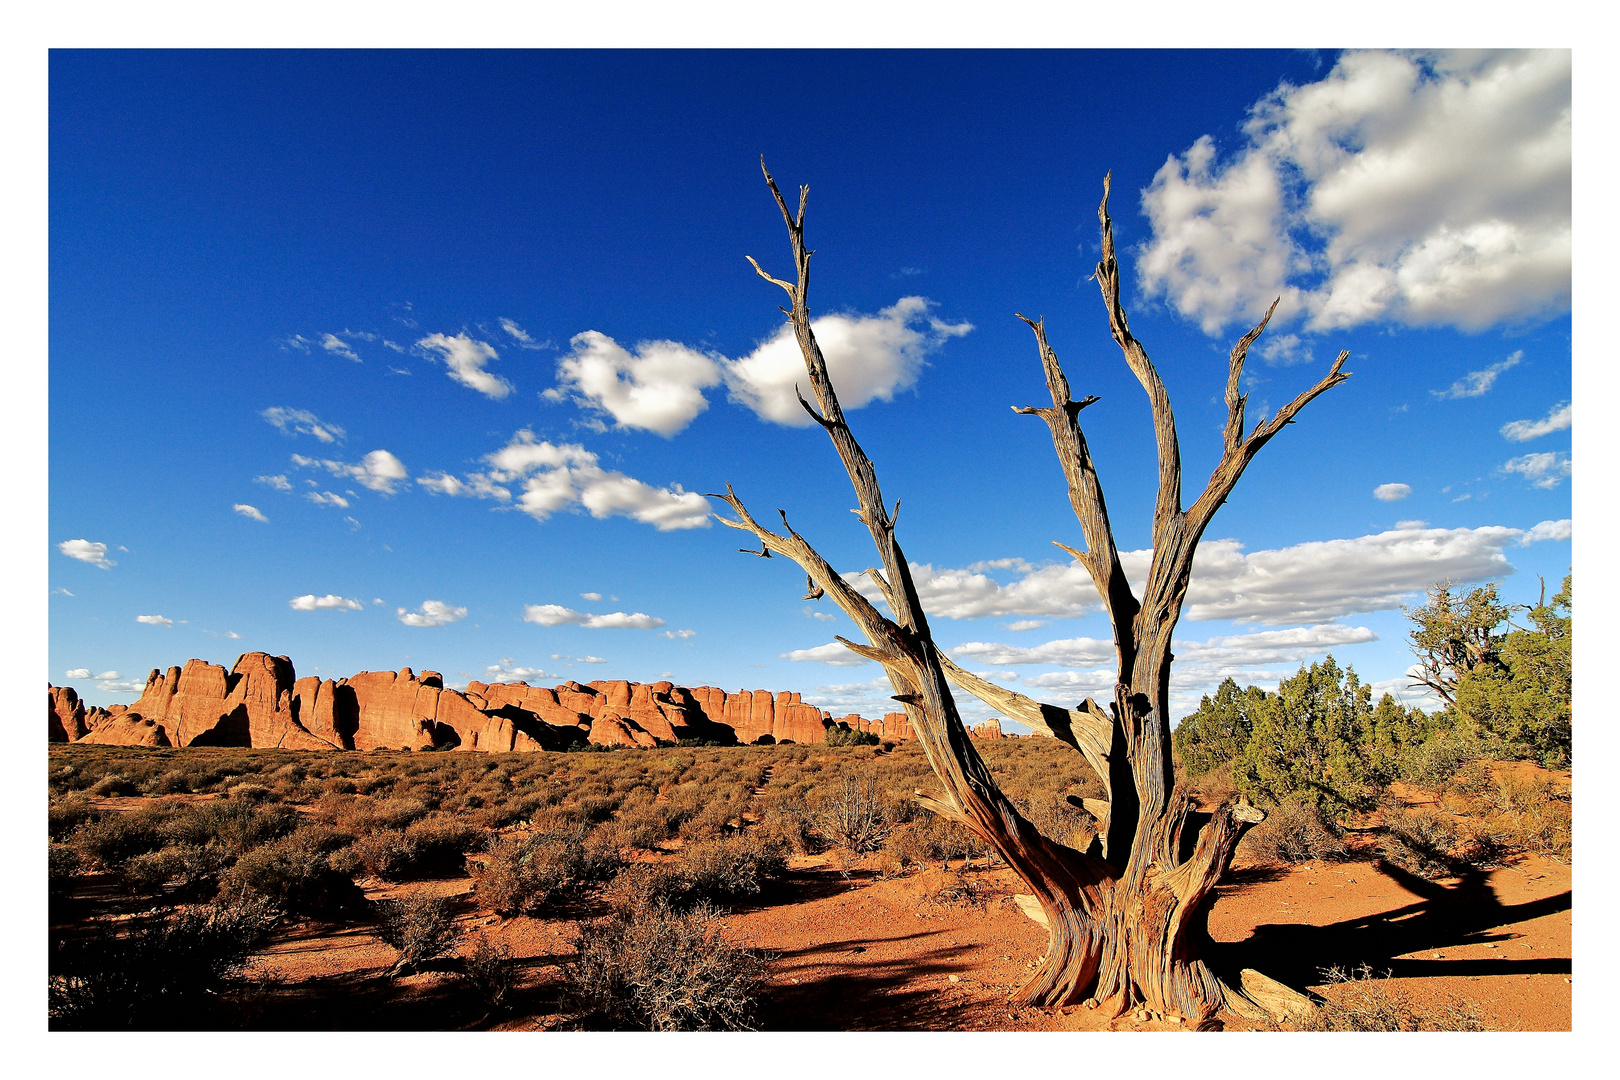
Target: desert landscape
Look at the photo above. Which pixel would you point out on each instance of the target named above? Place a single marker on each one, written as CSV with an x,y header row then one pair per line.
x,y
1001,780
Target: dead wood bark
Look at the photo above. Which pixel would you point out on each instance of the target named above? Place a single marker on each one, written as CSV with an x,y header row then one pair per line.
x,y
1126,921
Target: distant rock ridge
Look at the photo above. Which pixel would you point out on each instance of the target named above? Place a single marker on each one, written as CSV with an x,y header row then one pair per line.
x,y
261,702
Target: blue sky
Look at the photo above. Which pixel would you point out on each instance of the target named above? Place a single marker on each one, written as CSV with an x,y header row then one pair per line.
x,y
463,333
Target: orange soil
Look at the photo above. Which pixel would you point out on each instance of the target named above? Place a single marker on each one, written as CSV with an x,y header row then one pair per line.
x,y
863,953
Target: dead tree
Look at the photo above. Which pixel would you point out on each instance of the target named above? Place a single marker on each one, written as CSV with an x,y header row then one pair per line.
x,y
1127,917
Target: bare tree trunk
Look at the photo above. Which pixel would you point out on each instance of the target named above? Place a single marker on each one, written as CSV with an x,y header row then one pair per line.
x,y
1126,920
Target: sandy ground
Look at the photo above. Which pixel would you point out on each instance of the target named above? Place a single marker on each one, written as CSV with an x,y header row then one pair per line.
x,y
865,953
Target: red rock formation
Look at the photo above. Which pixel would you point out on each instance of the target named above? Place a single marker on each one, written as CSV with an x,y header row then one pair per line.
x,y
67,722
990,729
260,702
129,729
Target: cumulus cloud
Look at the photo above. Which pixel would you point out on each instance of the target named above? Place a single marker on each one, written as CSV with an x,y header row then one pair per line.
x,y
1558,419
681,635
1067,652
833,654
1314,581
302,422
76,673
154,620
379,470
556,477
1391,492
593,597
326,498
1478,383
90,551
1424,189
557,615
432,613
657,387
277,482
1544,470
473,486
331,601
249,511
869,357
465,357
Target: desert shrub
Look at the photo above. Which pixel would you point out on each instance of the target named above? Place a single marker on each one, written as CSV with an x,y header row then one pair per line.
x,y
68,813
164,971
715,819
520,874
855,815
661,970
234,825
420,926
954,890
842,736
114,785
789,822
439,842
113,839
1057,819
731,867
1297,831
488,974
248,792
1421,841
295,871
1359,1000
63,865
385,854
173,782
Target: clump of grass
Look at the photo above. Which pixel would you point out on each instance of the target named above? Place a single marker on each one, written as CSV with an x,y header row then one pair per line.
x,y
656,969
421,926
1360,1000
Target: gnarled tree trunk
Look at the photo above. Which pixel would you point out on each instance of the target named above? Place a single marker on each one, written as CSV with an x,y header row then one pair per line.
x,y
1127,917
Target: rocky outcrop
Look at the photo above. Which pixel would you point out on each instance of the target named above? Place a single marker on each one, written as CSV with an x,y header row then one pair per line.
x,y
66,714
260,702
990,729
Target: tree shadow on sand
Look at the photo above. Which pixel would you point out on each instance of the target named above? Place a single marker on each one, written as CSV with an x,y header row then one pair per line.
x,y
1468,912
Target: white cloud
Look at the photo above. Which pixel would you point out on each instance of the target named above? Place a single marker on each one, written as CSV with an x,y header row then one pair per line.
x,y
658,388
248,511
593,597
379,470
76,673
504,672
1314,581
311,602
819,616
557,615
432,613
1060,591
679,634
833,653
1478,383
354,526
1026,624
869,357
474,486
1286,350
1558,418
326,498
555,477
338,347
89,551
278,482
301,422
521,336
154,620
60,592
1067,652
1545,469
1420,188
1550,530
1391,492
465,358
